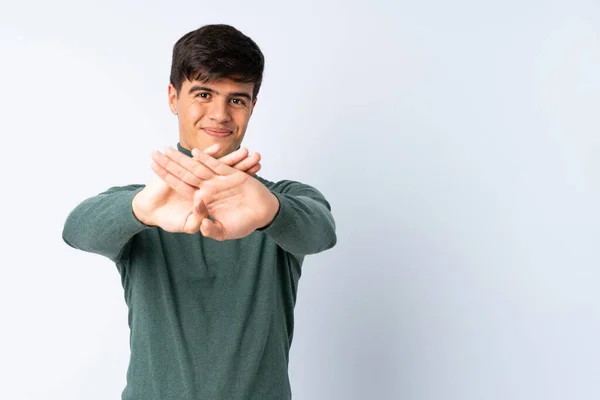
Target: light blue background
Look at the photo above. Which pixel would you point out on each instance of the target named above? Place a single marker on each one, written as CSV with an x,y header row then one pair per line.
x,y
457,142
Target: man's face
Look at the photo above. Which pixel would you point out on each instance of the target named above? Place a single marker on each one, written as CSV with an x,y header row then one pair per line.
x,y
209,113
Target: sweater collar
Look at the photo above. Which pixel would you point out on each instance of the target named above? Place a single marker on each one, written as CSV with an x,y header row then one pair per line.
x,y
184,150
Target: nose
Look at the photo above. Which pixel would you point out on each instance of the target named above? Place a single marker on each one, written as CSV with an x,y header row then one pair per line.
x,y
219,111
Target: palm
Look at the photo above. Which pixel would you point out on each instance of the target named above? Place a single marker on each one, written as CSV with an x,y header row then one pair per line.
x,y
173,212
192,188
173,209
231,200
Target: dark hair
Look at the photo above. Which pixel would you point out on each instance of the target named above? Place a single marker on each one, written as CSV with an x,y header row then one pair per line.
x,y
217,51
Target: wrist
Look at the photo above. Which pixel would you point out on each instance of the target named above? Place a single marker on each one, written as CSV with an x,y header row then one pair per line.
x,y
271,211
138,213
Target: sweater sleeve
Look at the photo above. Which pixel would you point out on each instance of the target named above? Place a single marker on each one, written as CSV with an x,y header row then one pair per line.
x,y
104,224
304,223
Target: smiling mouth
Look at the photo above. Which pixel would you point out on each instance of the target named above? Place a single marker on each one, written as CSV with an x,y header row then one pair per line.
x,y
217,132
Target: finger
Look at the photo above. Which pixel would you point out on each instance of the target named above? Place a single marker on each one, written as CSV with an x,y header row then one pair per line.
x,y
175,183
192,165
248,162
176,169
192,223
213,230
233,157
198,201
194,220
200,212
212,150
215,165
254,169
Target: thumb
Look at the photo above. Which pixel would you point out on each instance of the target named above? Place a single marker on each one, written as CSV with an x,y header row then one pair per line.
x,y
156,189
200,208
213,230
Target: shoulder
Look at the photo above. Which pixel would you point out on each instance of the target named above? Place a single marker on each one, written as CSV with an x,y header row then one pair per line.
x,y
288,186
124,188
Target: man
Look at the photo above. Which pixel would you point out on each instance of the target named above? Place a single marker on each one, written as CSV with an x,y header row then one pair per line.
x,y
209,253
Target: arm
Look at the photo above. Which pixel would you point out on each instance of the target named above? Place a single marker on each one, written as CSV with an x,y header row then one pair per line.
x,y
104,224
304,223
296,216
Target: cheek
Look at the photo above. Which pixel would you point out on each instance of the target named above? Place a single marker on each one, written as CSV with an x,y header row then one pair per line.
x,y
241,119
193,113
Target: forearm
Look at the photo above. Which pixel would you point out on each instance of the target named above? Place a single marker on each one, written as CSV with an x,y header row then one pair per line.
x,y
104,224
302,225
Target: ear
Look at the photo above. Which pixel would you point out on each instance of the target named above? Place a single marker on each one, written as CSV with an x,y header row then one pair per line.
x,y
173,99
253,105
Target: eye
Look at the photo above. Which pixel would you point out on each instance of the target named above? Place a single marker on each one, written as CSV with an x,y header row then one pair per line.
x,y
238,102
204,95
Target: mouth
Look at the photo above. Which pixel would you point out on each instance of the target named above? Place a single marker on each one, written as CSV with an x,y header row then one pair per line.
x,y
216,132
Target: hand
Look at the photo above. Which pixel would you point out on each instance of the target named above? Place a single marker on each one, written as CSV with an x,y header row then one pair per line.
x,y
238,203
159,205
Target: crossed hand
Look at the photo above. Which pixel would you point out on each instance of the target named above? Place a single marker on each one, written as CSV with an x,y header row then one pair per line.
x,y
189,190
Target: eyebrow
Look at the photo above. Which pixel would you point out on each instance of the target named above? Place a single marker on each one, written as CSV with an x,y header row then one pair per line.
x,y
198,88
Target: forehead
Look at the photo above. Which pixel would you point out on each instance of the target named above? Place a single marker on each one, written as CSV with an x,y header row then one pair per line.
x,y
224,85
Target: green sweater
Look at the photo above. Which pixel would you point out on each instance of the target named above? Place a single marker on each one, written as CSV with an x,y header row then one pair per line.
x,y
208,320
